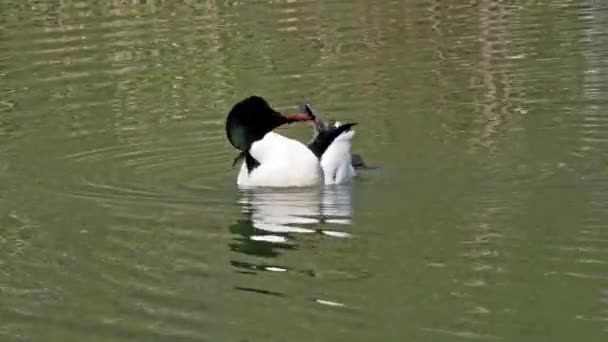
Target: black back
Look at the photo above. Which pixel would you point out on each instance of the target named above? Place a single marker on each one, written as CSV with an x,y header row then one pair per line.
x,y
324,138
324,134
251,162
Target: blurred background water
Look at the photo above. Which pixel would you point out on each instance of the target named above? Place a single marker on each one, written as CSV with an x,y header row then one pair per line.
x,y
487,218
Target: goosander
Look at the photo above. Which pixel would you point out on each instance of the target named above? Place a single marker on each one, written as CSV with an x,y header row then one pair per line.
x,y
273,160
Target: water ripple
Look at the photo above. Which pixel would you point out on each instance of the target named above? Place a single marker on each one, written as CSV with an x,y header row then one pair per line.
x,y
120,219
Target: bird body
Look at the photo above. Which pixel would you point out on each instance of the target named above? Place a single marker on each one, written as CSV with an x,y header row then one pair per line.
x,y
283,162
273,160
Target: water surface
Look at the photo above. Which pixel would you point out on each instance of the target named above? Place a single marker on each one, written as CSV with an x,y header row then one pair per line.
x,y
487,218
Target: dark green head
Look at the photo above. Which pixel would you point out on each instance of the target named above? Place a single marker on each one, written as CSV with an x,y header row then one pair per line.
x,y
250,120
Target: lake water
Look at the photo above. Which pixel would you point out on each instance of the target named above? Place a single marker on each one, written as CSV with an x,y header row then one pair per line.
x,y
485,219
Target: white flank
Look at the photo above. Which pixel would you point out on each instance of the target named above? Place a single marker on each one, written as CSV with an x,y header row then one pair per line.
x,y
284,162
336,161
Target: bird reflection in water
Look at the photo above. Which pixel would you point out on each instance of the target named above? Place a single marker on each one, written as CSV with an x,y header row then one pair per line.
x,y
275,219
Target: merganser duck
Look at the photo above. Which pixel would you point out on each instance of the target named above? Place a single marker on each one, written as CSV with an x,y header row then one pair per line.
x,y
273,160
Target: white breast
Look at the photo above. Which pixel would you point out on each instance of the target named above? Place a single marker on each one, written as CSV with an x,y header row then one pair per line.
x,y
336,161
284,162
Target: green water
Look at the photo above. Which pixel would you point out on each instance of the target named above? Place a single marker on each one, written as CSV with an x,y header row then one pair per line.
x,y
486,219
